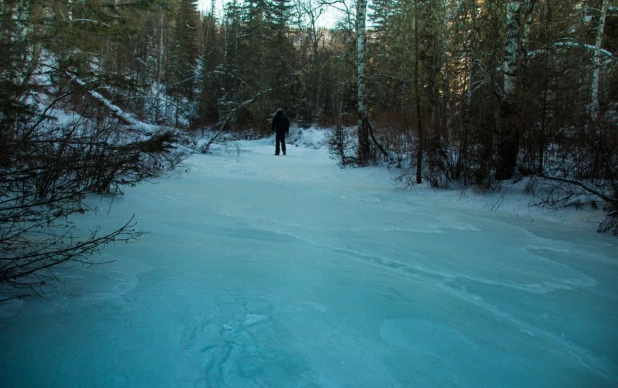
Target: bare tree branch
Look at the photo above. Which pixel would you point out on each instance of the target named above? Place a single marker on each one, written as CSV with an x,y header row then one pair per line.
x,y
587,188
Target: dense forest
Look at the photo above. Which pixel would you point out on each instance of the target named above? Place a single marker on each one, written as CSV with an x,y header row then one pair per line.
x,y
469,91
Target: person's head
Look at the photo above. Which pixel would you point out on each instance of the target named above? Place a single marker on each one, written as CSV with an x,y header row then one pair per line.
x,y
279,111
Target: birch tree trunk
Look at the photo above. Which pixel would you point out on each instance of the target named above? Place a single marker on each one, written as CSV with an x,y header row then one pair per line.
x,y
70,10
511,50
508,143
463,162
471,79
361,50
528,9
594,87
546,86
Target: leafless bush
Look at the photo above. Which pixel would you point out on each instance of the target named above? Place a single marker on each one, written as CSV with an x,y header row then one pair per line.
x,y
440,164
556,193
44,180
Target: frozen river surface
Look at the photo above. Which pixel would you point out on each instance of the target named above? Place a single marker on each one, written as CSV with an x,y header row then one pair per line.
x,y
263,271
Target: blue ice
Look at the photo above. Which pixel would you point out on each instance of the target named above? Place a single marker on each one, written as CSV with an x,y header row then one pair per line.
x,y
290,272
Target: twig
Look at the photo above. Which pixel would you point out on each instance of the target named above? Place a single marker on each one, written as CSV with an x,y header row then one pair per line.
x,y
496,205
14,297
386,155
223,123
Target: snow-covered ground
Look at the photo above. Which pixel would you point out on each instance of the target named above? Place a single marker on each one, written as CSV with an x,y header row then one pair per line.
x,y
289,271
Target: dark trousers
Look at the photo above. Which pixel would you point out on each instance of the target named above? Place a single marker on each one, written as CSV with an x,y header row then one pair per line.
x,y
280,139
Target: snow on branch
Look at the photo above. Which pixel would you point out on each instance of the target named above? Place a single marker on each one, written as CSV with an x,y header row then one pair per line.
x,y
608,55
90,21
149,130
115,109
119,3
587,46
606,198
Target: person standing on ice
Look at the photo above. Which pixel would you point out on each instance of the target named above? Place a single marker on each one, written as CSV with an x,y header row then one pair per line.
x,y
281,126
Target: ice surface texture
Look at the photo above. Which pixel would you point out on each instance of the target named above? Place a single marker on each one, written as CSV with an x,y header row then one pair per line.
x,y
262,271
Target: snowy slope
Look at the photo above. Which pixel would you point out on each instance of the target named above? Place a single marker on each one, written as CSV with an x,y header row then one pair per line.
x,y
289,271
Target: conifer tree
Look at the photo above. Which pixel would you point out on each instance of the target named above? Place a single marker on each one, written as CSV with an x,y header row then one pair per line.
x,y
210,61
183,59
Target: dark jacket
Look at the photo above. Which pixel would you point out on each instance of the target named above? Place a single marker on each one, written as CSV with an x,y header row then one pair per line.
x,y
281,124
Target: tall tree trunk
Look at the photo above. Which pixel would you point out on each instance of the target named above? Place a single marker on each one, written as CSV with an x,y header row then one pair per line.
x,y
471,79
542,134
528,9
160,66
315,36
548,62
419,113
511,49
469,93
361,49
594,87
508,143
